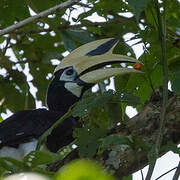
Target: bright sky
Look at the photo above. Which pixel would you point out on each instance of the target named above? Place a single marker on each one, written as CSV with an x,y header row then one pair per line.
x,y
166,162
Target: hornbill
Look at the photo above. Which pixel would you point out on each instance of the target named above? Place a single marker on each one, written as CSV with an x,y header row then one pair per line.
x,y
79,71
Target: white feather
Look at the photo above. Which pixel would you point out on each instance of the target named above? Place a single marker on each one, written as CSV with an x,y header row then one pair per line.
x,y
20,152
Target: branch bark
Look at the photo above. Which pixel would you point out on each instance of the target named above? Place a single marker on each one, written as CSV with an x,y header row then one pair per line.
x,y
177,173
146,126
38,16
83,24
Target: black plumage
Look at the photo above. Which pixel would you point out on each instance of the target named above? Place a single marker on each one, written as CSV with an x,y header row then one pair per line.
x,y
31,124
25,125
58,97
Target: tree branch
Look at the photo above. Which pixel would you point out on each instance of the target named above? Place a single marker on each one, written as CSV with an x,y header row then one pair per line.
x,y
67,26
38,16
177,173
162,38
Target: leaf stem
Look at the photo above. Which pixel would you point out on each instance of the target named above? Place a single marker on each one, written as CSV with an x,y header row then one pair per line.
x,y
162,36
43,137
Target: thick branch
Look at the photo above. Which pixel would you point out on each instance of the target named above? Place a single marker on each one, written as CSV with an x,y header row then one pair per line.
x,y
146,126
38,16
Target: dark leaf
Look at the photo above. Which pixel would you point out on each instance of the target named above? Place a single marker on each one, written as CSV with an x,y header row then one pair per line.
x,y
114,140
87,140
69,43
13,11
176,83
80,35
138,6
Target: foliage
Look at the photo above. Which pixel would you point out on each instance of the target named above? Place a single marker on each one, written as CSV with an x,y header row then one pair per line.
x,y
78,169
38,44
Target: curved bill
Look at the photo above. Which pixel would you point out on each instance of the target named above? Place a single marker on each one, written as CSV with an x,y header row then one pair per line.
x,y
102,74
83,63
90,59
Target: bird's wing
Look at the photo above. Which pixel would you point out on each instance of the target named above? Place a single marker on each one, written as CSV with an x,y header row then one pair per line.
x,y
25,125
62,135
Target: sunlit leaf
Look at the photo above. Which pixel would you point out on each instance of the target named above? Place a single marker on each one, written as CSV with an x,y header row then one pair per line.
x,y
83,169
36,158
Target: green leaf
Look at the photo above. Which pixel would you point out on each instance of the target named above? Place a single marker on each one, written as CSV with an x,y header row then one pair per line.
x,y
36,158
127,177
114,140
85,14
42,5
130,98
87,104
138,6
12,11
80,35
176,82
5,62
1,119
52,55
12,165
69,44
152,154
87,140
151,15
170,146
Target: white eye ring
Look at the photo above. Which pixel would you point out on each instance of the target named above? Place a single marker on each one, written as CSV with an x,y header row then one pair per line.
x,y
68,75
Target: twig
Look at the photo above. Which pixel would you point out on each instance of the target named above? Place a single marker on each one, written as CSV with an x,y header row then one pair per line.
x,y
166,173
142,176
177,173
148,71
38,16
165,77
6,47
162,36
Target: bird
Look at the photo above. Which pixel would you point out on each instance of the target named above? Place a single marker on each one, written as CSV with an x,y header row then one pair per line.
x,y
76,73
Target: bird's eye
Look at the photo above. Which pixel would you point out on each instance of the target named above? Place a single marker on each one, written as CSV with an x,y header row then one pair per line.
x,y
69,72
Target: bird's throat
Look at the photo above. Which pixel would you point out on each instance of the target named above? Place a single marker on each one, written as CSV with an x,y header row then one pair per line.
x,y
59,98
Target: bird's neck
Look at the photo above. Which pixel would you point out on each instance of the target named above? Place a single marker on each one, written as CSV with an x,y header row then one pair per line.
x,y
59,98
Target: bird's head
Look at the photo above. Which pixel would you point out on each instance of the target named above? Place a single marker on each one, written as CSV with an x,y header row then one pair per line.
x,y
81,69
